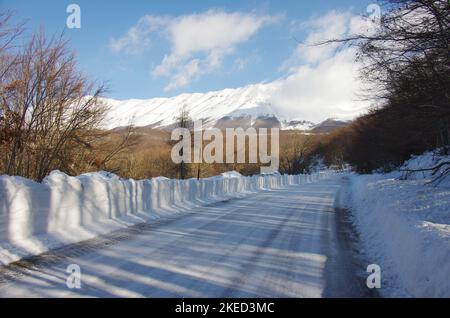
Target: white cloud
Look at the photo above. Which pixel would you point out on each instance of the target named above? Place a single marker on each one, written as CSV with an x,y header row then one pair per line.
x,y
137,39
184,75
322,81
331,26
207,37
214,30
323,90
199,42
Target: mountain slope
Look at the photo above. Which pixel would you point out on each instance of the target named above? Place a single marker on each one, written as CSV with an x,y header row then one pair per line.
x,y
329,125
248,106
250,101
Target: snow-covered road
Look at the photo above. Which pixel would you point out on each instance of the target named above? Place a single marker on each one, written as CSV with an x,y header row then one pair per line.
x,y
279,243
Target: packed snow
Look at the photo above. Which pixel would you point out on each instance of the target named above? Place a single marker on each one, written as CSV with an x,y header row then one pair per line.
x,y
404,223
36,217
231,174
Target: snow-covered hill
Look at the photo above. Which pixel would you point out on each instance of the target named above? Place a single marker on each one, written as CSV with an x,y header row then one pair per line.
x,y
243,107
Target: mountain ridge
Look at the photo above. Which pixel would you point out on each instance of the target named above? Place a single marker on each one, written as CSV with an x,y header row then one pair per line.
x,y
248,106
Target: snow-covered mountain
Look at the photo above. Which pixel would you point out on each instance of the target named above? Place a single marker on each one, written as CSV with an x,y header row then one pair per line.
x,y
250,102
241,107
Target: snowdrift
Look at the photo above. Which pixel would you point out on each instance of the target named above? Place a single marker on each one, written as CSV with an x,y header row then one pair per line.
x,y
405,228
36,217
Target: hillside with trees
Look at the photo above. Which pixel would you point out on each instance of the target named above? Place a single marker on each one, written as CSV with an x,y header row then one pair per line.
x,y
406,64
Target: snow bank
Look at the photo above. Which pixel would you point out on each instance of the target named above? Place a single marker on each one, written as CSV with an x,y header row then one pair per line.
x,y
427,160
231,174
35,217
405,228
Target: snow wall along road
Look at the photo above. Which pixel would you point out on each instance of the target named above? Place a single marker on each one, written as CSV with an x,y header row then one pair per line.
x,y
35,217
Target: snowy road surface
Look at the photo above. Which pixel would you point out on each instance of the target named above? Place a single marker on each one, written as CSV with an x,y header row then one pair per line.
x,y
279,243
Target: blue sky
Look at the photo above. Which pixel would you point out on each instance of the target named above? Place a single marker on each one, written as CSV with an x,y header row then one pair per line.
x,y
254,41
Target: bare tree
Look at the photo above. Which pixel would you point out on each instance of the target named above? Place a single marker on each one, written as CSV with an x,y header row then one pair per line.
x,y
50,109
183,120
8,33
295,156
